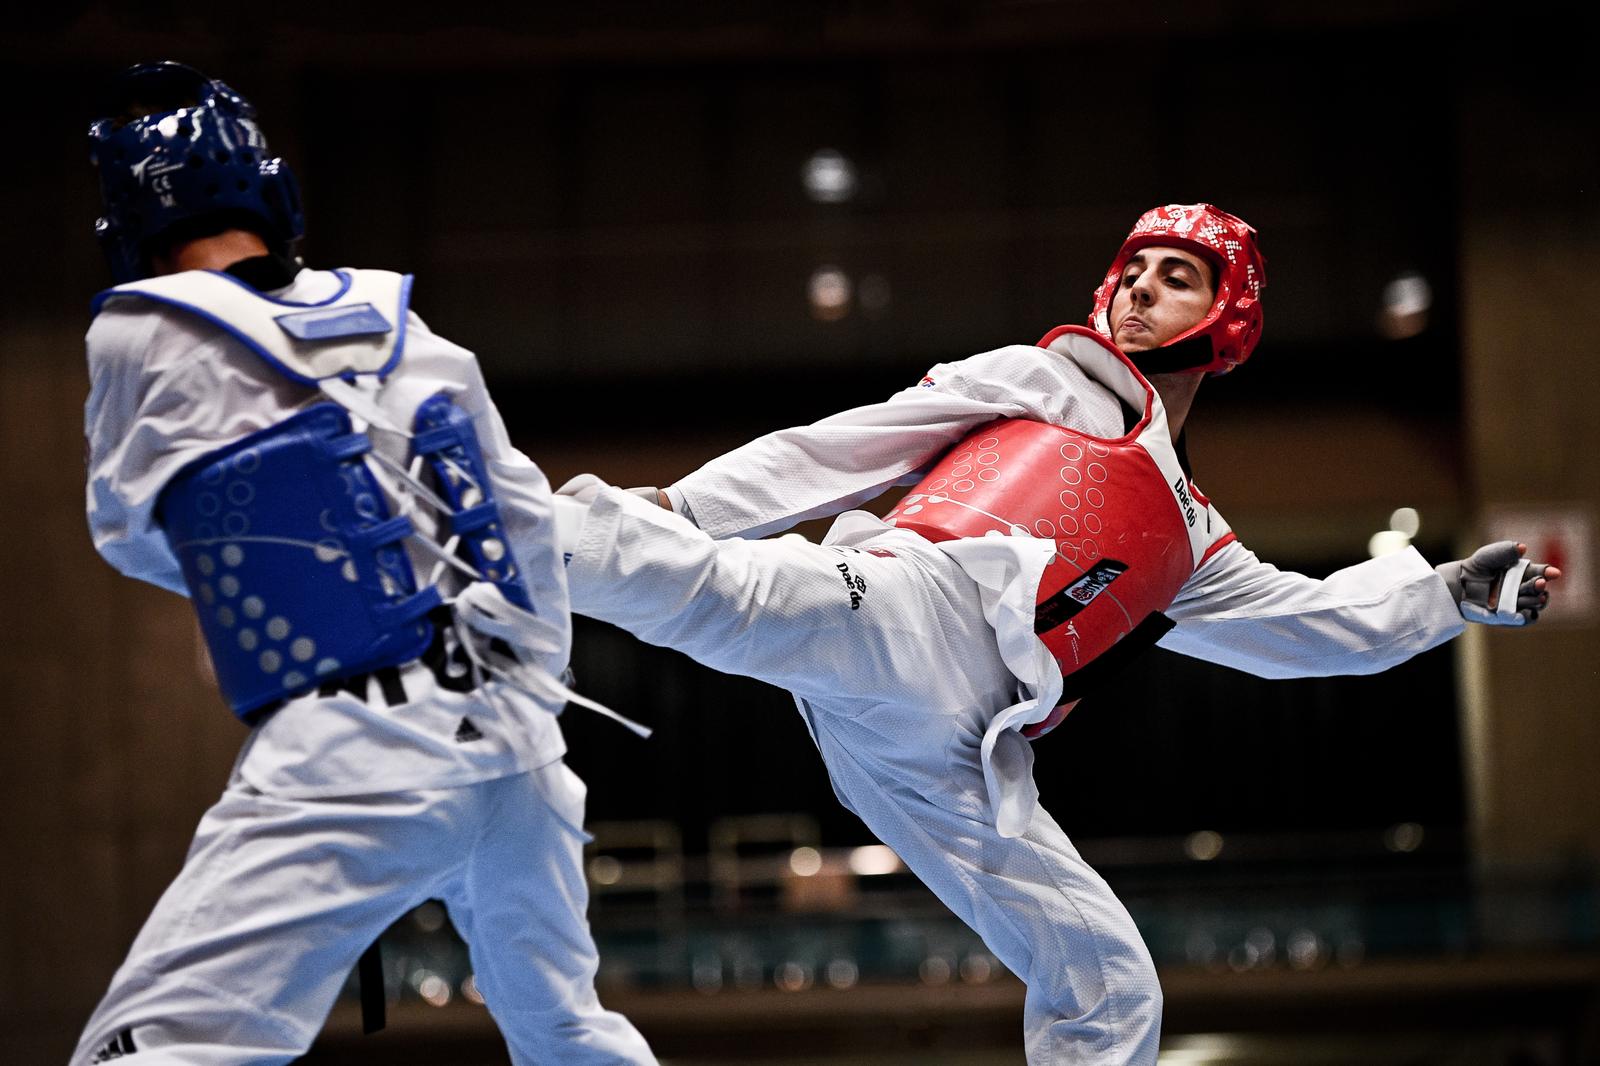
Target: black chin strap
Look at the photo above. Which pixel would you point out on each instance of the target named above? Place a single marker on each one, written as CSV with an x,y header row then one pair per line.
x,y
1187,354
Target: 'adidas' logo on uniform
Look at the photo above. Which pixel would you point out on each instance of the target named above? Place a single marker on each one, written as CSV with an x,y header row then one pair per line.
x,y
119,1045
466,731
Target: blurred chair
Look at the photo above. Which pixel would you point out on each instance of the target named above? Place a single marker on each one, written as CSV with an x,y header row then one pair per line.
x,y
750,856
636,863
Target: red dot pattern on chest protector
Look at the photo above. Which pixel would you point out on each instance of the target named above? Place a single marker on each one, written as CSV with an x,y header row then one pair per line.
x,y
1121,540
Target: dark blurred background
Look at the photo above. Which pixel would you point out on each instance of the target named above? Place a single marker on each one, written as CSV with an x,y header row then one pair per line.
x,y
668,228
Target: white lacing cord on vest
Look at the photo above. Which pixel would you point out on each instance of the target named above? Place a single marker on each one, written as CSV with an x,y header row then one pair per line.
x,y
485,611
485,615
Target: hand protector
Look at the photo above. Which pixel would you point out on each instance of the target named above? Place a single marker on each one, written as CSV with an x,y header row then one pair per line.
x,y
1496,586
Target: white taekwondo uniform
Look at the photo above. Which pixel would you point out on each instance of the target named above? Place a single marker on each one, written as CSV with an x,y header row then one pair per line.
x,y
344,811
915,664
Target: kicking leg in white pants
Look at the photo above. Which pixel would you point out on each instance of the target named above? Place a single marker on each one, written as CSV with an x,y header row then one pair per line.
x,y
886,648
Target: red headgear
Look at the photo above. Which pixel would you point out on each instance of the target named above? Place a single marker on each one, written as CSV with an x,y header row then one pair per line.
x,y
1234,322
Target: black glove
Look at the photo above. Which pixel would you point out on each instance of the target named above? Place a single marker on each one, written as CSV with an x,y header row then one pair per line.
x,y
1484,581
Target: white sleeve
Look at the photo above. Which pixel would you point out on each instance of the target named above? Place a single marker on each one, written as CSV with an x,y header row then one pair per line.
x,y
122,449
165,389
1241,612
847,459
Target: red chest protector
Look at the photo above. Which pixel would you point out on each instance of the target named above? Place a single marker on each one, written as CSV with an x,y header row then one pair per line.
x,y
1129,527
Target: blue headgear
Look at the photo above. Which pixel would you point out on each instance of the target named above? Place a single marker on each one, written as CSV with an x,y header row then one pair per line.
x,y
178,146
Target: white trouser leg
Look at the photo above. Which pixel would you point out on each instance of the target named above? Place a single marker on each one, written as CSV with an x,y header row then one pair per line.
x,y
520,904
245,953
1093,996
817,621
898,692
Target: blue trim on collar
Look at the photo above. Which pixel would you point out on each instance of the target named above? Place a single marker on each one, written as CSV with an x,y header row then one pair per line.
x,y
99,300
345,281
402,311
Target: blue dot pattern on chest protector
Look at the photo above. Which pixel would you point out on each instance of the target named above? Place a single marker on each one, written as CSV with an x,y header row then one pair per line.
x,y
293,561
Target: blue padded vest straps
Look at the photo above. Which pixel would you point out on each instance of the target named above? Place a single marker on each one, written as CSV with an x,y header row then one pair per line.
x,y
443,436
293,561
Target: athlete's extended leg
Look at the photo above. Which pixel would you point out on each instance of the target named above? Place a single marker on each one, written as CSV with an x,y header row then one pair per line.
x,y
827,622
898,676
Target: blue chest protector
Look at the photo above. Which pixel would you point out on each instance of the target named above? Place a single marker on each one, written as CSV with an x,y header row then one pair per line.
x,y
293,561
292,554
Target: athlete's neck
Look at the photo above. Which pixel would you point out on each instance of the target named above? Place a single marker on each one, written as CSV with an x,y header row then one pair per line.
x,y
217,252
1177,396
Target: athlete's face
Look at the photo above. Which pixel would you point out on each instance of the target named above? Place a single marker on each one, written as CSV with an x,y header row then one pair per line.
x,y
1163,292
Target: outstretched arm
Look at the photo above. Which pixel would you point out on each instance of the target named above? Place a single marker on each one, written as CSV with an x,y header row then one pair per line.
x,y
822,469
1247,614
843,461
1241,612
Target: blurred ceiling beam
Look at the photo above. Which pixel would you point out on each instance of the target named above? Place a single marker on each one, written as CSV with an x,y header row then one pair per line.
x,y
480,36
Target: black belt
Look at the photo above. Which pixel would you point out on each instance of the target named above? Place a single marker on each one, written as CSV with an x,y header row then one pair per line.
x,y
1098,671
369,974
451,668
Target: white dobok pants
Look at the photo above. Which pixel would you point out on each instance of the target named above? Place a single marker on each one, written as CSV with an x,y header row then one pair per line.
x,y
897,692
243,956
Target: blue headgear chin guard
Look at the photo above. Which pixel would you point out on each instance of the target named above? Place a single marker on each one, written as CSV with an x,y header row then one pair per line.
x,y
176,147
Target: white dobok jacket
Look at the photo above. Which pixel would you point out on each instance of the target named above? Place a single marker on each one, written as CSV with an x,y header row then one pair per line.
x,y
168,387
1235,610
